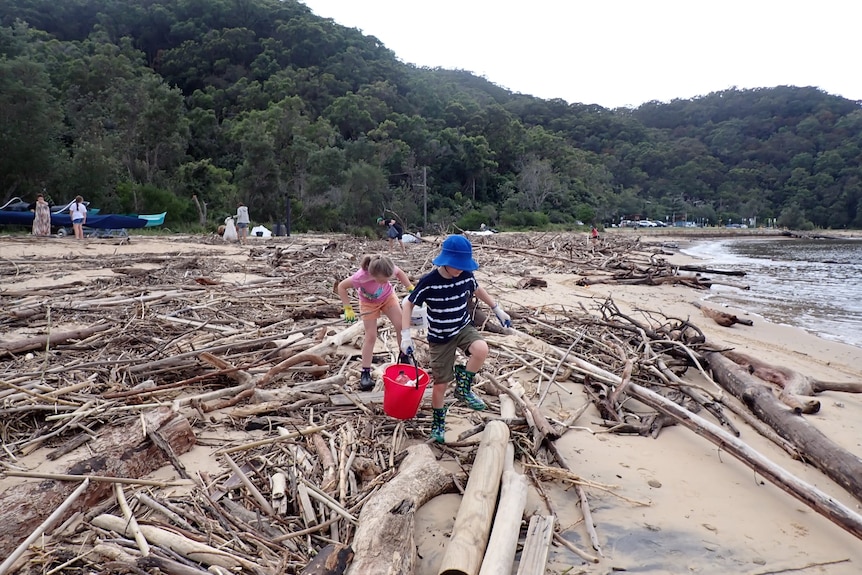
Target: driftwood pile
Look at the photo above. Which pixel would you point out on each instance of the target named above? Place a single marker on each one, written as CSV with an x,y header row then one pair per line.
x,y
116,378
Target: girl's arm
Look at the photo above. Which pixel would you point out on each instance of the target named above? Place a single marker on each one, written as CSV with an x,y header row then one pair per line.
x,y
343,286
402,277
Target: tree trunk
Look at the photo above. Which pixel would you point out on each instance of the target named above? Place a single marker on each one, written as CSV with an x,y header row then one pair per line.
x,y
384,540
122,452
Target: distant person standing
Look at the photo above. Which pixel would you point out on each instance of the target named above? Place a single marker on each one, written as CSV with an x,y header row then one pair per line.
x,y
242,222
78,213
594,234
395,232
42,217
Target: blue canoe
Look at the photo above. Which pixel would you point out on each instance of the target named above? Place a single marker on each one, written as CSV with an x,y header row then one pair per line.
x,y
104,222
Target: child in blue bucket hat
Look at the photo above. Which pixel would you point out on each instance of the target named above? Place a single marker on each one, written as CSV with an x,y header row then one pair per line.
x,y
446,293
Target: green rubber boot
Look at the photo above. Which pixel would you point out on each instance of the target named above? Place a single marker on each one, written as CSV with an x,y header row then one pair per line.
x,y
464,391
438,425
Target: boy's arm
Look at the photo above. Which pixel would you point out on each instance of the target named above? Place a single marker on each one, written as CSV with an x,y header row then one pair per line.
x,y
485,297
406,337
505,319
406,312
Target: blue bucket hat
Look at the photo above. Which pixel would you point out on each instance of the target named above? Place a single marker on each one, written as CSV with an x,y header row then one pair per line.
x,y
457,253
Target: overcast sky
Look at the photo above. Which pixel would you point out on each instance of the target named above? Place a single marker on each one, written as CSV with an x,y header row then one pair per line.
x,y
621,52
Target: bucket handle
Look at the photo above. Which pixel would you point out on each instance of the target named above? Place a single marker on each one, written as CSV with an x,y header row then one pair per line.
x,y
416,365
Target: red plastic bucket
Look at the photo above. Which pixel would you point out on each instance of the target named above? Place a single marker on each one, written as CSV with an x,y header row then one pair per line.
x,y
401,400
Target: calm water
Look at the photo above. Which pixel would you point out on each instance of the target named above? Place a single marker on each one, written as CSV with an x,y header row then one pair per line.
x,y
812,284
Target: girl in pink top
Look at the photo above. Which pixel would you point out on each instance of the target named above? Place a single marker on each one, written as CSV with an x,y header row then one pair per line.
x,y
375,295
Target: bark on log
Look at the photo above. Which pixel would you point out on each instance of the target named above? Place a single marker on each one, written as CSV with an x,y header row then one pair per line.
x,y
332,560
122,452
466,547
383,543
836,462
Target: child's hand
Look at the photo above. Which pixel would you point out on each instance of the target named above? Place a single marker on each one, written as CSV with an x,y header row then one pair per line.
x,y
504,318
406,342
349,314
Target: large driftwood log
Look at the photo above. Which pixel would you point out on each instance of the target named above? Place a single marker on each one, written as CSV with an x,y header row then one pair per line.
x,y
466,547
836,462
503,543
123,451
384,539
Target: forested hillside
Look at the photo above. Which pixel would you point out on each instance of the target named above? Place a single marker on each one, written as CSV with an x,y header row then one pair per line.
x,y
192,105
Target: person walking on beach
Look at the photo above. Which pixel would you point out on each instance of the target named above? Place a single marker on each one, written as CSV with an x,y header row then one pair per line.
x,y
446,292
78,213
395,232
242,221
42,216
376,295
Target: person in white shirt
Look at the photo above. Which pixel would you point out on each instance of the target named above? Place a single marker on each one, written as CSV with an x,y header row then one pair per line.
x,y
78,213
242,222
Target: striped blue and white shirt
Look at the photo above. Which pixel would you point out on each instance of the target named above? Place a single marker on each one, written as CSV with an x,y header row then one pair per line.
x,y
446,303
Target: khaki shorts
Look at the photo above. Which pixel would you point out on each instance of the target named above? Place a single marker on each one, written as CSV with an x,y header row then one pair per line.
x,y
443,354
371,310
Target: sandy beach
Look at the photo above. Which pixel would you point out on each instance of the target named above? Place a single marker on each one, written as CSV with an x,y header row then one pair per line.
x,y
677,504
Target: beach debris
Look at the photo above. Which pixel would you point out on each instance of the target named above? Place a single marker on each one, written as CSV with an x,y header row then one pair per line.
x,y
251,352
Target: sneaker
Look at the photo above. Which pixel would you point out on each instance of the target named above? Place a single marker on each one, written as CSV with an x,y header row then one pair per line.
x,y
366,382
